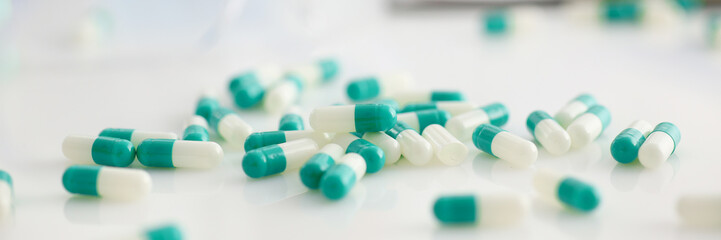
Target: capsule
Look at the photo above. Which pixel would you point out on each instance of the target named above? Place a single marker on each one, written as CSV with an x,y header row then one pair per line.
x,y
700,209
206,106
368,88
659,145
196,129
448,149
404,98
588,126
164,232
414,147
504,145
389,145
6,195
496,21
422,119
624,147
249,87
285,93
568,191
353,118
135,136
262,139
372,154
454,108
107,182
291,122
548,132
462,126
171,153
99,150
229,125
318,164
340,178
275,159
322,71
574,108
487,209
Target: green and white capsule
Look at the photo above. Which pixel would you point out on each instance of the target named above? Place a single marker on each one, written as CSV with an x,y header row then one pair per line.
x,y
353,118
262,139
249,87
487,209
505,145
135,136
275,159
196,129
659,145
6,195
448,149
565,190
574,108
368,88
421,119
291,122
452,107
164,232
207,103
318,164
340,178
389,145
99,150
589,126
414,147
407,97
107,182
171,153
624,147
286,92
373,155
229,125
548,132
462,126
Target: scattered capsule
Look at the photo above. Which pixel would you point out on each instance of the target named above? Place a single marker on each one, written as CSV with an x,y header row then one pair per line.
x,y
99,150
229,125
164,232
390,146
452,107
372,154
206,106
659,145
548,132
496,21
505,145
249,87
574,108
6,195
566,190
318,164
291,122
700,209
196,129
368,88
135,136
422,119
275,159
624,147
404,98
414,147
283,94
448,149
353,118
588,126
262,139
487,209
340,178
179,153
107,182
462,126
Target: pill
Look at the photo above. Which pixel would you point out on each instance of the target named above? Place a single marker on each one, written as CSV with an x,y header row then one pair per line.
x,y
372,154
406,97
179,153
414,147
487,209
164,232
368,88
421,119
574,108
229,125
107,182
462,126
452,107
565,190
196,129
99,150
262,139
340,178
6,195
389,145
135,136
548,132
283,94
447,148
278,158
505,145
206,105
659,145
588,126
322,71
624,147
291,122
318,164
496,21
353,118
700,209
249,87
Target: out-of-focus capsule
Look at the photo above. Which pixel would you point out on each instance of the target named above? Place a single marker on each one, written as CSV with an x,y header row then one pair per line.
x,y
249,87
574,108
487,209
404,98
318,164
448,149
452,107
505,145
206,105
548,132
414,147
99,150
566,190
229,125
624,147
589,126
621,10
287,91
164,232
700,209
496,21
422,119
659,145
196,129
368,88
322,71
275,159
262,139
340,178
6,195
135,136
462,126
353,118
180,154
291,122
107,182
373,155
390,146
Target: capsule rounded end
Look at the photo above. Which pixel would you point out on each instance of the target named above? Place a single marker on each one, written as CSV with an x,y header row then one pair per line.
x,y
374,157
248,96
255,165
312,172
455,209
337,182
624,150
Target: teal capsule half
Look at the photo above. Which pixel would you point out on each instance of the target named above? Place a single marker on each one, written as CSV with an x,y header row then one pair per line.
x,y
456,209
373,155
363,89
428,117
110,151
156,153
121,133
290,122
82,179
624,147
217,115
329,68
247,90
264,161
534,118
671,130
196,133
447,96
578,195
206,106
5,176
419,107
262,139
621,10
398,129
338,181
602,113
165,232
483,137
496,21
313,170
374,117
497,113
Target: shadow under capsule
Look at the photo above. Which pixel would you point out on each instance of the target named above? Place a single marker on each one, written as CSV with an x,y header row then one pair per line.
x,y
95,210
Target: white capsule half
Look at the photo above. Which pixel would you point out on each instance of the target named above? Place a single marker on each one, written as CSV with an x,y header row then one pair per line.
x,y
659,145
584,130
448,149
390,146
703,209
462,126
415,148
552,136
6,197
233,129
574,108
281,96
